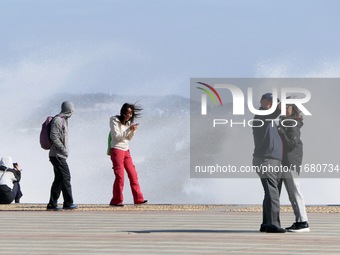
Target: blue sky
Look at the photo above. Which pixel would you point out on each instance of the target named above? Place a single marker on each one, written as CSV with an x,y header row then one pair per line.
x,y
156,46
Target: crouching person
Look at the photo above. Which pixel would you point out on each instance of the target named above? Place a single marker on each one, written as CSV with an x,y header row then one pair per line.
x,y
10,175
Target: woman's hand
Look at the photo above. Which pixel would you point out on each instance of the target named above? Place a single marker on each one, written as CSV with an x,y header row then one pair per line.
x,y
16,166
134,127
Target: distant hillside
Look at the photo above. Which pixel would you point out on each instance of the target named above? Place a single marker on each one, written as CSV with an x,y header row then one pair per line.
x,y
110,104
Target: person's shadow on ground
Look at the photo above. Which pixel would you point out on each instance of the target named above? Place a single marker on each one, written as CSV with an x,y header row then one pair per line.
x,y
191,231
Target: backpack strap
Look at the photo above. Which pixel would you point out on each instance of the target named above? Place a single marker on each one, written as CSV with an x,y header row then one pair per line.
x,y
3,173
63,120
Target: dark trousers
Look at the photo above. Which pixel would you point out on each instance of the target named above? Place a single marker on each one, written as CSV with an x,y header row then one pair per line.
x,y
61,183
270,182
7,195
17,192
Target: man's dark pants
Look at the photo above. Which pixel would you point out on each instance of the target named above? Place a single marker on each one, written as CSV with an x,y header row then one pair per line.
x,y
61,183
270,182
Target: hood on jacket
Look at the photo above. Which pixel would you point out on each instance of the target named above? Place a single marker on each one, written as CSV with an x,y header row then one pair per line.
x,y
67,109
116,119
6,162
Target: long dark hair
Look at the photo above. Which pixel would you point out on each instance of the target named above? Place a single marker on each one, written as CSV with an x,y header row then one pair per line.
x,y
296,113
136,109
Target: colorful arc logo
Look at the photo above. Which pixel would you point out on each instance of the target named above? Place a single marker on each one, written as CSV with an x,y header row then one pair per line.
x,y
211,89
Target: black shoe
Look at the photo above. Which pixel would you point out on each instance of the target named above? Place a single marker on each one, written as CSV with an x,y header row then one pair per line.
x,y
70,207
53,208
144,202
119,205
274,229
299,227
263,228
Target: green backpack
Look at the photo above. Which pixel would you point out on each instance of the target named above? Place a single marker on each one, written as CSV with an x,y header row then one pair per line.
x,y
109,144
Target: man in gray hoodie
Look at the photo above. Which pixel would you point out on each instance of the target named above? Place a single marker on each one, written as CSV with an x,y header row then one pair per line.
x,y
58,155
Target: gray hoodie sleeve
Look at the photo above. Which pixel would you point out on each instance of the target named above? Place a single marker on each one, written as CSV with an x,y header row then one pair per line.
x,y
58,137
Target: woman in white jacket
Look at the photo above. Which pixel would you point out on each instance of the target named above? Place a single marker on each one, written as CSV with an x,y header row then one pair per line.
x,y
122,129
10,175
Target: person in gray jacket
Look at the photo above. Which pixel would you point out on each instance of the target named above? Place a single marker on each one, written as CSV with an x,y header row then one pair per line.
x,y
10,175
58,154
268,155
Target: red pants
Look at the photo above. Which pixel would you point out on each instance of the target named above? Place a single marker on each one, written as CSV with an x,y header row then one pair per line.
x,y
122,160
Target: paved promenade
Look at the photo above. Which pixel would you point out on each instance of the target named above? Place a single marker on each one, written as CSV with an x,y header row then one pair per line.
x,y
161,229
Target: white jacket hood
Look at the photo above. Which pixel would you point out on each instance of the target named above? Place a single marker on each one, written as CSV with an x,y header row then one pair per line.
x,y
6,161
116,119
